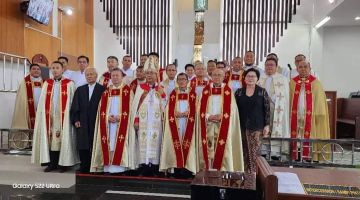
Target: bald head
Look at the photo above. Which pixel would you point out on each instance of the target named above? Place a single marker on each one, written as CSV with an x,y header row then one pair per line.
x,y
303,69
91,75
218,76
199,70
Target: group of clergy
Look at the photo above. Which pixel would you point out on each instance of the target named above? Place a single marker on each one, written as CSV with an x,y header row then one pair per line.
x,y
154,120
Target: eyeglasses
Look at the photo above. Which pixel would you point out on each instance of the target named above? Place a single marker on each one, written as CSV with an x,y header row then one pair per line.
x,y
250,76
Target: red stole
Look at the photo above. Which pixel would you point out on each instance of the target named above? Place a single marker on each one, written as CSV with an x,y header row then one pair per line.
x,y
146,89
182,149
63,96
224,126
161,75
229,76
133,85
30,99
308,114
106,80
196,82
124,92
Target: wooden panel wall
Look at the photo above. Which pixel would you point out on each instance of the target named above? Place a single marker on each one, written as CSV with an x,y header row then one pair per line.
x,y
11,27
78,36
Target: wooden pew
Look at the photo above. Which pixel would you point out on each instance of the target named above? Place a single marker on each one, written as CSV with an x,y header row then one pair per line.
x,y
348,118
266,180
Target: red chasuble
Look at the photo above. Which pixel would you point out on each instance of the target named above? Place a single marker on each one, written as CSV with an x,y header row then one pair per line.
x,y
226,93
30,99
308,115
124,93
182,148
106,80
48,104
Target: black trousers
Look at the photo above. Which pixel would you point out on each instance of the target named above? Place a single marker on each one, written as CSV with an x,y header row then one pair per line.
x,y
85,160
54,159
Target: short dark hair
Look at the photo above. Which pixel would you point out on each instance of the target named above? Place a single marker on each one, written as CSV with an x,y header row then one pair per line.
x,y
182,74
34,65
140,67
211,61
63,57
113,57
144,55
249,51
57,62
118,69
272,59
189,65
273,54
154,54
253,70
221,63
170,65
85,57
126,56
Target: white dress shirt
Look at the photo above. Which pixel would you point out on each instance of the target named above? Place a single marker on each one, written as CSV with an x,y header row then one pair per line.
x,y
79,78
91,89
36,91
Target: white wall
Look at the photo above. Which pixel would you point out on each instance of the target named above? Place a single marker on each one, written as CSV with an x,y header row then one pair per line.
x,y
341,60
183,34
105,41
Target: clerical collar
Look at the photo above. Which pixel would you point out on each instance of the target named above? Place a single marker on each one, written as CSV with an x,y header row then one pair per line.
x,y
35,79
182,89
217,86
57,79
116,87
249,65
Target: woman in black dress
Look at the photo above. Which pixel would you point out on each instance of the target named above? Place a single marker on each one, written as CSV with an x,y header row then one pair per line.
x,y
254,109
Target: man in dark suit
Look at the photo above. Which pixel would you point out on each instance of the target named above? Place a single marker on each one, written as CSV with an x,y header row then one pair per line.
x,y
83,116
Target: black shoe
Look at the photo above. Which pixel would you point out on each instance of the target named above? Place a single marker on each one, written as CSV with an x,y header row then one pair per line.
x,y
275,157
49,169
63,169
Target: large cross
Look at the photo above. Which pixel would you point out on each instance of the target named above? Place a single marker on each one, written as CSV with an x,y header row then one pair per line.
x,y
222,142
177,144
64,93
279,109
278,84
172,97
192,96
30,101
186,144
103,114
171,119
28,82
103,139
277,121
126,92
124,114
280,96
121,137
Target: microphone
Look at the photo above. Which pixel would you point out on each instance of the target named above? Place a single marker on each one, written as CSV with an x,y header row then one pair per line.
x,y
289,66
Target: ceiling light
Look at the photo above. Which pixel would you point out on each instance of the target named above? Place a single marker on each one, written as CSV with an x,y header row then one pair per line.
x,y
331,1
357,18
326,19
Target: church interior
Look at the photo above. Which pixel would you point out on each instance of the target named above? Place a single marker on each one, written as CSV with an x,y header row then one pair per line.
x,y
137,140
